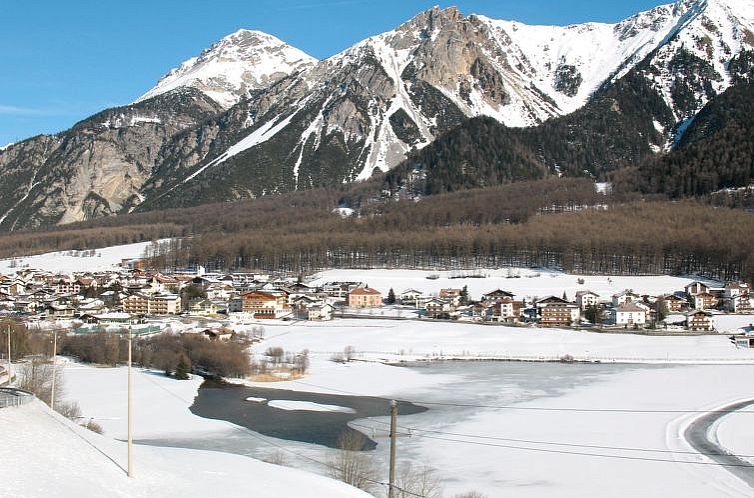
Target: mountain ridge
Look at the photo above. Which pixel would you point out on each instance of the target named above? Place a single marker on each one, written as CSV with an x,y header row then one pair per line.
x,y
369,107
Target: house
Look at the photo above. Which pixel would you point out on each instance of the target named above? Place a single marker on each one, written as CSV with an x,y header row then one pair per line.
x,y
265,305
699,320
340,290
495,295
587,298
308,308
695,288
737,297
454,295
438,308
734,289
410,297
743,303
504,309
364,297
674,303
555,311
65,286
202,307
627,296
629,314
704,300
60,311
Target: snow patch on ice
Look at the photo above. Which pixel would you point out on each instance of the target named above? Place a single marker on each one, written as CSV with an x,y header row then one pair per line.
x,y
282,404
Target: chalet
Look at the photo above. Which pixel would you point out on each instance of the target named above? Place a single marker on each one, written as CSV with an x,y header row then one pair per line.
x,y
364,297
587,298
340,290
454,295
265,305
136,304
629,314
695,288
736,297
87,282
674,303
163,283
202,307
60,312
410,297
496,294
438,308
313,309
704,300
504,309
742,303
65,286
627,296
699,320
733,289
555,311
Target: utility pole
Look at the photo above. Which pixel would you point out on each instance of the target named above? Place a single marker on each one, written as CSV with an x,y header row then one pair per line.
x,y
9,365
393,430
130,407
54,365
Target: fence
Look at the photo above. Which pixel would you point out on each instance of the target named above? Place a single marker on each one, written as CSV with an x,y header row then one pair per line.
x,y
10,396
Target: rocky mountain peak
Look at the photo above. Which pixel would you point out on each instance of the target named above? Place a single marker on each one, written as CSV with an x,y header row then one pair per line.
x,y
242,61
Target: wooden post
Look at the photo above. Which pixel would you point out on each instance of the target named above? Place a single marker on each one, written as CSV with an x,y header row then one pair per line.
x,y
393,431
54,365
10,377
130,407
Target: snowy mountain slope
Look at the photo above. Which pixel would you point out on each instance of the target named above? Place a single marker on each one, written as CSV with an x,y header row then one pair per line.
x,y
242,61
371,104
289,122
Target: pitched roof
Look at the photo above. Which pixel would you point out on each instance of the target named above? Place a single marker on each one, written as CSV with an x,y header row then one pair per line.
x,y
630,308
365,291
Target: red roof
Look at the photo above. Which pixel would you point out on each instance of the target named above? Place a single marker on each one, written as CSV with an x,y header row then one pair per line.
x,y
364,291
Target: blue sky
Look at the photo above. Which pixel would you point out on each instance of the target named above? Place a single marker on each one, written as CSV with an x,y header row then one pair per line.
x,y
63,60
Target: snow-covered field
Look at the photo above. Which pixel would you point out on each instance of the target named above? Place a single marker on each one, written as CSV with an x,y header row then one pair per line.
x,y
395,340
107,258
531,283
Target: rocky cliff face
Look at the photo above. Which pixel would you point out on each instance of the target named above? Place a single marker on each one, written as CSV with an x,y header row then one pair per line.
x,y
99,166
272,120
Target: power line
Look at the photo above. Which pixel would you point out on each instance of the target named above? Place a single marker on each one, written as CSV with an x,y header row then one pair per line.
x,y
532,408
579,453
414,431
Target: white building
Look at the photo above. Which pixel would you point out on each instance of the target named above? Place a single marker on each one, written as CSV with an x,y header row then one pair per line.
x,y
587,298
630,314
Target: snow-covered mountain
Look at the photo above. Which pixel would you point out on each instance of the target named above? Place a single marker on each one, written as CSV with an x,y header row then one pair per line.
x,y
242,61
286,121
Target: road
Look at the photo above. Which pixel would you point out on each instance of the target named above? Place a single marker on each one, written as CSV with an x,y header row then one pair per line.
x,y
697,434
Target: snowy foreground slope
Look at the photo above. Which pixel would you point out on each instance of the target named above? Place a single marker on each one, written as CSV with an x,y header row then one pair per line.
x,y
44,454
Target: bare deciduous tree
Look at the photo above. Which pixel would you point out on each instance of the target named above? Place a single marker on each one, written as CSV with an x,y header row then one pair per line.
x,y
353,466
418,480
